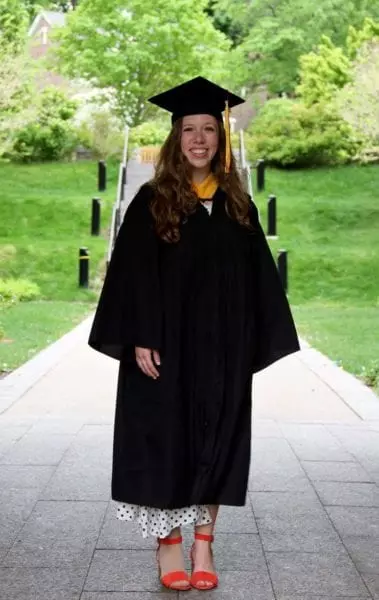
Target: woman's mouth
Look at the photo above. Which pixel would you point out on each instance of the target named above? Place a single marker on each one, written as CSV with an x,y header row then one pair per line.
x,y
199,152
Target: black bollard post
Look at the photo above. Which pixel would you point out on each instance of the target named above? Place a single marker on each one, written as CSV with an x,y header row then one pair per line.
x,y
83,267
95,221
102,176
283,268
271,215
260,175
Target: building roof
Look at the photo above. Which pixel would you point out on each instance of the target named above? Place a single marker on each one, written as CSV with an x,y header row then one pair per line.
x,y
54,18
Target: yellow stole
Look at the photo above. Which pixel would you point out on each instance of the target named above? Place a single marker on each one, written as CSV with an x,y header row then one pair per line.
x,y
207,188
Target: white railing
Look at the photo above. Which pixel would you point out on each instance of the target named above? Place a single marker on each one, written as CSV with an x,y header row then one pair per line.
x,y
116,211
245,167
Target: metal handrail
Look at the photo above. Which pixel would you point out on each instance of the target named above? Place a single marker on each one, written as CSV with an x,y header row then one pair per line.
x,y
245,167
116,211
111,236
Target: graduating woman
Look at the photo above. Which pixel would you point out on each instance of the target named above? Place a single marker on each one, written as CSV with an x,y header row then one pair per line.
x,y
192,306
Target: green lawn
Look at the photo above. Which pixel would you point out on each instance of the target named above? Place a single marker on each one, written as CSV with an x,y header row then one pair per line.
x,y
30,326
328,220
45,218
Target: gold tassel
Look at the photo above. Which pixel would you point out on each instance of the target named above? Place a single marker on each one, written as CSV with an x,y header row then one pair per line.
x,y
227,138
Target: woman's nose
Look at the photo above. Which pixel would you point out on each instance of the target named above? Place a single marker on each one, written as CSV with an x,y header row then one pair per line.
x,y
199,136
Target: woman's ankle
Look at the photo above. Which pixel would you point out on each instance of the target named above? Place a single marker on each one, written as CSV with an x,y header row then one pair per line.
x,y
206,530
174,533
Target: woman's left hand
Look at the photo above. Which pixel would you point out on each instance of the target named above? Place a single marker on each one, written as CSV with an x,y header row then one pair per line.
x,y
147,359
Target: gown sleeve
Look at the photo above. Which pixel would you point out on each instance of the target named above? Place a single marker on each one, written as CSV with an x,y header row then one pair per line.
x,y
129,312
276,334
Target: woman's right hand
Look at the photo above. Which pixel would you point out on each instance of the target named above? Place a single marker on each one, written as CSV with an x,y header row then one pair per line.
x,y
144,358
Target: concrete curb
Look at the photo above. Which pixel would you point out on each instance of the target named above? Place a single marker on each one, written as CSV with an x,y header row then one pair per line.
x,y
353,392
17,383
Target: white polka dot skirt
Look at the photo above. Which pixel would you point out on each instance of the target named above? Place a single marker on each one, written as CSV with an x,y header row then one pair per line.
x,y
160,521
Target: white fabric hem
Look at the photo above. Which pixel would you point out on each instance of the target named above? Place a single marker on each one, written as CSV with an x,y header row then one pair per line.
x,y
159,522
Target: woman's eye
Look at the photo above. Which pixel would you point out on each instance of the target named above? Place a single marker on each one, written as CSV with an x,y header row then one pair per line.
x,y
209,129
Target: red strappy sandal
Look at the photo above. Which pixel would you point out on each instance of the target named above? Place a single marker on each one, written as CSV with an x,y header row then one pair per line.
x,y
210,578
170,579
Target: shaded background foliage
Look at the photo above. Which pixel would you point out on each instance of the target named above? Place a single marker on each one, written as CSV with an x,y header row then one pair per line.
x,y
305,52
275,33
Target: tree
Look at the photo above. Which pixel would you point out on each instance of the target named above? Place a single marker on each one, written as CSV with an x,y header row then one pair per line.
x,y
13,25
358,101
323,72
34,6
15,95
134,52
277,32
357,37
14,70
346,80
224,23
330,68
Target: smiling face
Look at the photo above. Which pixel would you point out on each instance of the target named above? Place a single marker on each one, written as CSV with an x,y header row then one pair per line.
x,y
199,142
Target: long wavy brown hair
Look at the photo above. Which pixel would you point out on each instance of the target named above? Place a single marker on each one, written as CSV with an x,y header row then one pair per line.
x,y
173,195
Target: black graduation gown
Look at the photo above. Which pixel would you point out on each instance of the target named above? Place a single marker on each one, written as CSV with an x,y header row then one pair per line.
x,y
214,307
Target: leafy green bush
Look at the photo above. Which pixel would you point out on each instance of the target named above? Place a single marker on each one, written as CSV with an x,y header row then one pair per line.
x,y
18,290
149,133
102,133
287,133
50,134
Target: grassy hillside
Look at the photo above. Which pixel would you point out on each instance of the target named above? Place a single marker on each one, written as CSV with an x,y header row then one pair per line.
x,y
328,220
45,218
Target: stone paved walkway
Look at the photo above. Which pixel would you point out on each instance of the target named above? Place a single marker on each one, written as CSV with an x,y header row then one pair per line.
x,y
137,174
310,527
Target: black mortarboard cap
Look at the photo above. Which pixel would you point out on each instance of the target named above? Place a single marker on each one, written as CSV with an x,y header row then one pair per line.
x,y
194,97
